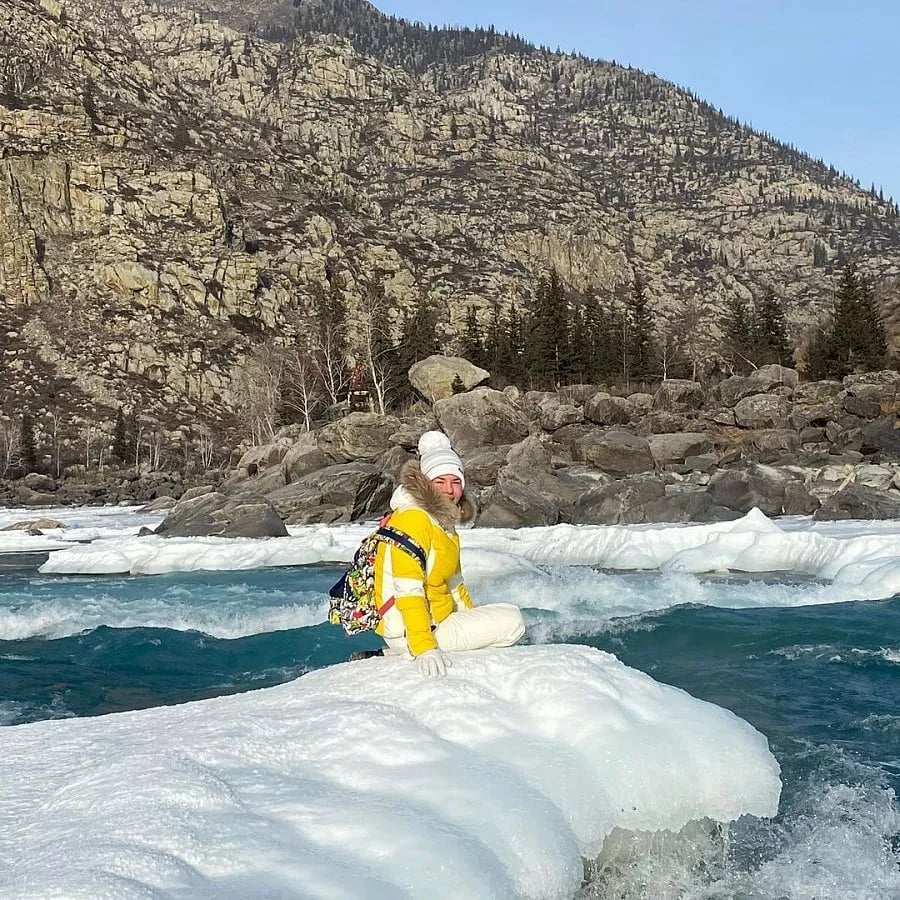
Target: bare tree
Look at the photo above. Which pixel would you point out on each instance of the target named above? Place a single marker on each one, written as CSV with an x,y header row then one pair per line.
x,y
667,353
301,391
54,438
329,358
205,448
154,448
88,433
9,444
258,391
374,343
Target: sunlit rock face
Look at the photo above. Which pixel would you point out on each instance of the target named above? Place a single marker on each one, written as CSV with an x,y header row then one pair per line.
x,y
177,187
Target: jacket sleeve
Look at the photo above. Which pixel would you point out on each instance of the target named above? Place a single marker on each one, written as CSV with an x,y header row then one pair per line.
x,y
457,587
409,581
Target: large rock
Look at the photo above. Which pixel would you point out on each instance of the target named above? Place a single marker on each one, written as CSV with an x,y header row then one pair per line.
x,y
881,436
434,377
762,411
685,506
264,455
479,418
615,452
771,490
678,394
528,458
358,436
675,448
341,493
618,502
214,514
859,502
482,465
604,409
513,503
554,416
770,444
763,380
774,376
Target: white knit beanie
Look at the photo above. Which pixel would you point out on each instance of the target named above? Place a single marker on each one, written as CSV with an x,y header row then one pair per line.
x,y
437,457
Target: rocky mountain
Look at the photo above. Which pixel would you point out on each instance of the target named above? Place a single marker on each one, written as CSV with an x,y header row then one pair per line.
x,y
181,182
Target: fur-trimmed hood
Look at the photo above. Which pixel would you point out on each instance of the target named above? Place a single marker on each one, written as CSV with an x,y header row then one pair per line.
x,y
416,490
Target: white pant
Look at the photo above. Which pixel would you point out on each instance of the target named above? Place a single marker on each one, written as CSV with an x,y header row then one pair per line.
x,y
491,625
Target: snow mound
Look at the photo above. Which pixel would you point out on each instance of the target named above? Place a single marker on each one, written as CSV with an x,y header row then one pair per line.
x,y
365,780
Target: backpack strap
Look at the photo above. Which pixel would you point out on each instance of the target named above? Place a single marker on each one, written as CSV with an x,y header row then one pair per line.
x,y
404,542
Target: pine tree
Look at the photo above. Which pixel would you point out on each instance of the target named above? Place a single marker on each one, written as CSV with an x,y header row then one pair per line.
x,y
418,340
738,331
770,338
855,339
547,330
120,437
641,344
27,444
472,343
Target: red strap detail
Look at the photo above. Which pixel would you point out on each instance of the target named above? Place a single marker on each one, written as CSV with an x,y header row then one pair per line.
x,y
383,609
385,519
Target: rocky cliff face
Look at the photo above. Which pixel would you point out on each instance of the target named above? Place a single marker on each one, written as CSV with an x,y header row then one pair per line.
x,y
179,182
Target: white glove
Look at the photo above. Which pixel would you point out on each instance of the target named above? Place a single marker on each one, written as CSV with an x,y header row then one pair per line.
x,y
432,663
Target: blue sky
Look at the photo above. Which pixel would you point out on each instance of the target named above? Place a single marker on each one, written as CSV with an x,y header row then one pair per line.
x,y
824,76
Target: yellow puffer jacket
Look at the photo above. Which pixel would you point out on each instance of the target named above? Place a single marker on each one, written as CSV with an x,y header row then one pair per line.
x,y
421,600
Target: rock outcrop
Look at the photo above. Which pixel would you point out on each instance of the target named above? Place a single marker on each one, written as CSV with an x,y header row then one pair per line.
x,y
183,185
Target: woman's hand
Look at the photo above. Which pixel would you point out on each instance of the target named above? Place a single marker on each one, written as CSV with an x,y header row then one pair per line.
x,y
432,663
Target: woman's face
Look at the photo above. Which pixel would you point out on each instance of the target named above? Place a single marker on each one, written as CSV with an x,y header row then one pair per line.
x,y
448,486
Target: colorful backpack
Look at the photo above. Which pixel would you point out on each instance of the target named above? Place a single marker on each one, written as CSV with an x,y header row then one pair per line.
x,y
352,602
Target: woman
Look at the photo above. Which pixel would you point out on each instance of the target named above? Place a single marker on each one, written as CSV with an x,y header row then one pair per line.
x,y
429,612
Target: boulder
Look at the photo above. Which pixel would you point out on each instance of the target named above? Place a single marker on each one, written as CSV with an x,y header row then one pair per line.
x,y
856,501
769,489
861,406
554,416
213,514
618,502
640,402
480,418
774,376
38,525
762,411
160,504
662,422
434,377
359,436
299,465
677,394
482,465
577,394
529,457
392,461
674,448
615,452
815,393
24,496
38,482
512,504
340,493
881,436
685,506
261,457
770,444
735,388
604,409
